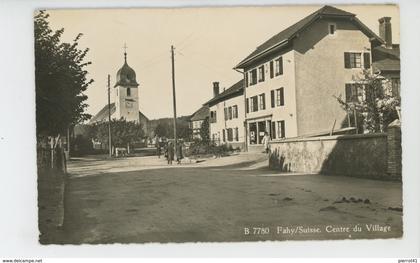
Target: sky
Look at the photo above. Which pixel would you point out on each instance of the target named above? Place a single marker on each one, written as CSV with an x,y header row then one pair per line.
x,y
208,43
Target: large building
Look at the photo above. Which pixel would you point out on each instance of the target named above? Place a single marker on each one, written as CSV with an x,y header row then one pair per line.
x,y
227,115
293,79
126,99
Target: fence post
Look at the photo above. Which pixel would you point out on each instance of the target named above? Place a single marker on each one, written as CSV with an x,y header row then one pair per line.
x,y
394,150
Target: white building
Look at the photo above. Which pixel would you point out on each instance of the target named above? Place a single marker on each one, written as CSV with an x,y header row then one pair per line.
x,y
126,99
227,115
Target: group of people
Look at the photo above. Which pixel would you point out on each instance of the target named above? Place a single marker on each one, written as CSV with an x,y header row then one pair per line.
x,y
168,149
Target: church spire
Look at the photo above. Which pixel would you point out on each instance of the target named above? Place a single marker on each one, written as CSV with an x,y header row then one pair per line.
x,y
125,52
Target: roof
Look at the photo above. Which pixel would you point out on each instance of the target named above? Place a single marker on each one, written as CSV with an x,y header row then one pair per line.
x,y
200,114
126,76
102,115
386,59
289,33
234,90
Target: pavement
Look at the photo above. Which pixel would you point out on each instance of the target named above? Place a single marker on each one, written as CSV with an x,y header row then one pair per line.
x,y
234,198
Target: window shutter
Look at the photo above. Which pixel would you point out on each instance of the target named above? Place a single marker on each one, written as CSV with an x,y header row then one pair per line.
x,y
263,101
272,99
247,105
281,65
366,60
246,79
225,111
348,92
273,130
263,73
281,96
347,60
282,129
271,69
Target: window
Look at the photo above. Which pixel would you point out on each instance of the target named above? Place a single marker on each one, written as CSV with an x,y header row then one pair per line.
x,y
247,105
332,28
280,129
352,60
254,104
230,113
279,66
262,101
253,77
261,74
273,130
235,111
213,118
396,87
271,69
128,92
280,97
236,134
230,134
354,93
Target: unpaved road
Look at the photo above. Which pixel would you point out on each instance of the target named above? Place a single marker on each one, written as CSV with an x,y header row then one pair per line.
x,y
108,201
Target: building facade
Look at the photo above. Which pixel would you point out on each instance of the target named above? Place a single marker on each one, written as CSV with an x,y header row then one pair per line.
x,y
227,115
293,79
196,121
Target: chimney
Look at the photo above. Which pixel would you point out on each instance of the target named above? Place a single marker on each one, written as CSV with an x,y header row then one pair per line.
x,y
385,31
215,88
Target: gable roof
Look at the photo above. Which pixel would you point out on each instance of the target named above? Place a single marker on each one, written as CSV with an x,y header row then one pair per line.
x,y
386,59
102,115
200,114
234,90
289,33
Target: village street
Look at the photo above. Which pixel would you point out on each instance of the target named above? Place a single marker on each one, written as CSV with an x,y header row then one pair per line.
x,y
142,199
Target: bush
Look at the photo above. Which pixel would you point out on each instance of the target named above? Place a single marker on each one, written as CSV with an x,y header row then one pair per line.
x,y
206,148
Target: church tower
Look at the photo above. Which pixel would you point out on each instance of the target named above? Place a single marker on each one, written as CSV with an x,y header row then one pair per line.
x,y
126,93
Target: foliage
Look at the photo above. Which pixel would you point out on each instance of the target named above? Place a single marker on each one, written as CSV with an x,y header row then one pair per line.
x,y
205,130
122,132
166,129
205,148
60,79
376,107
81,145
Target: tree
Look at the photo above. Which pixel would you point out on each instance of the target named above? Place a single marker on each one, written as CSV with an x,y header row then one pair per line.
x,y
161,130
205,130
123,133
60,79
374,102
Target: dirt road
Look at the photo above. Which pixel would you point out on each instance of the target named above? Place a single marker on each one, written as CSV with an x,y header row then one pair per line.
x,y
229,199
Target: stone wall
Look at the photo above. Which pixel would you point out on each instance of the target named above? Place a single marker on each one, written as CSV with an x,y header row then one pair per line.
x,y
364,155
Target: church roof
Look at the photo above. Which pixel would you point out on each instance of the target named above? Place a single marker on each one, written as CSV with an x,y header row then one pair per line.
x,y
102,115
126,76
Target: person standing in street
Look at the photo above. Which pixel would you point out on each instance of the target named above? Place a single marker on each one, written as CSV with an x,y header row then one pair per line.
x,y
179,155
265,142
158,146
170,152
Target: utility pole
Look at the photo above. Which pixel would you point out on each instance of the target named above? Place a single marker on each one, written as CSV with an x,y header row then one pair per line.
x,y
109,116
174,99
